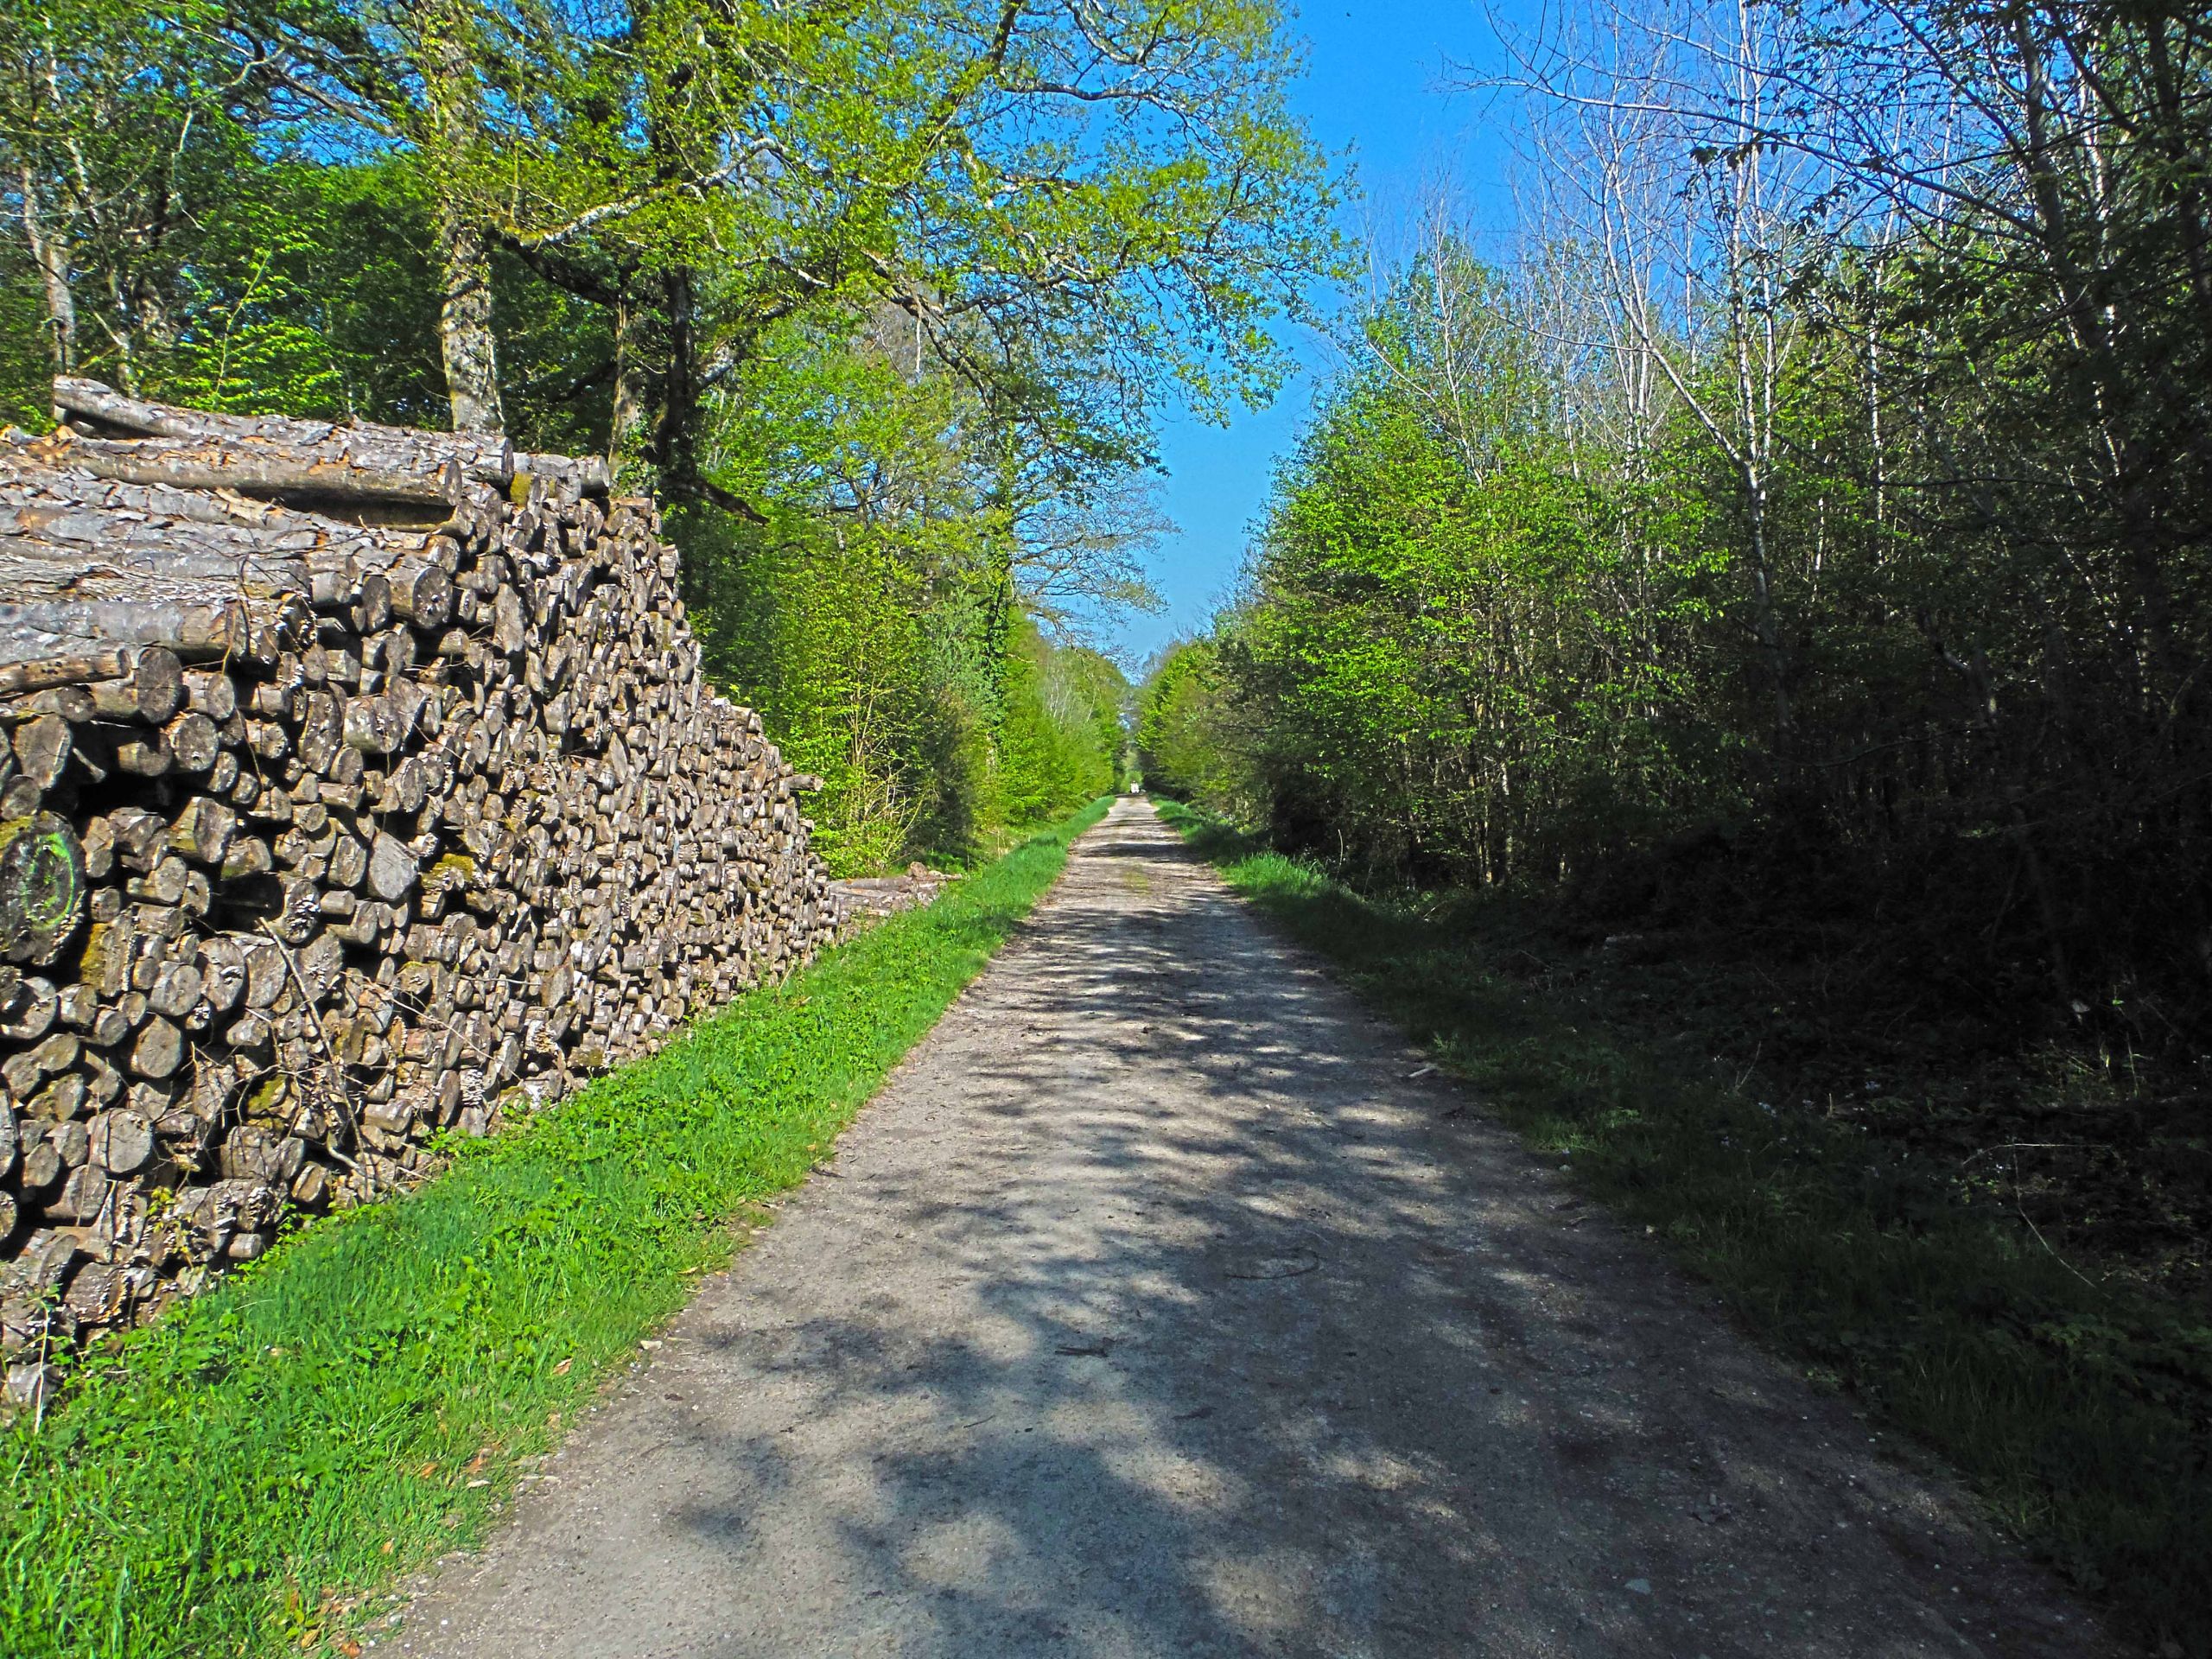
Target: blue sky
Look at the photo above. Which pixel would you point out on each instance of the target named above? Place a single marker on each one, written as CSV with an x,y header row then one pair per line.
x,y
1376,86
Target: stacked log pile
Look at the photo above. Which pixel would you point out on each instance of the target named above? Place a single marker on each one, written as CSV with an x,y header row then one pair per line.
x,y
358,782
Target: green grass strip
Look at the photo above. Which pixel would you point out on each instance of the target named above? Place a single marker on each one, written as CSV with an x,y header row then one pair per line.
x,y
2081,1414
355,1403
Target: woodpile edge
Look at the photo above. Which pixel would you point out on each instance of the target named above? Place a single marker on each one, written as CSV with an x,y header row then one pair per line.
x,y
356,784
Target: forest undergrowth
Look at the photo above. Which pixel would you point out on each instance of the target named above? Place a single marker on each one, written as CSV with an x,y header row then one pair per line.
x,y
1907,1031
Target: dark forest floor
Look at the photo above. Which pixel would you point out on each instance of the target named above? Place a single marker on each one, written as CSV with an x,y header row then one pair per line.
x,y
2100,1155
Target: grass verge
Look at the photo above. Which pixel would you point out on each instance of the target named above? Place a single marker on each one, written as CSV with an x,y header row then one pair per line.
x,y
238,1479
2082,1413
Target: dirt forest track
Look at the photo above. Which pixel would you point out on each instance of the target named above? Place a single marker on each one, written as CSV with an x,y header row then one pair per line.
x,y
1155,1307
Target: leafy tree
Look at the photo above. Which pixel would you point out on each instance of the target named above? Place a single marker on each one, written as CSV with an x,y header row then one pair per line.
x,y
1446,659
1119,186
882,300
1188,742
876,602
115,130
1827,476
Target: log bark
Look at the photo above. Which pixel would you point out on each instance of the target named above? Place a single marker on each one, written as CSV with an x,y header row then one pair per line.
x,y
36,673
43,630
37,570
37,474
158,541
486,457
349,465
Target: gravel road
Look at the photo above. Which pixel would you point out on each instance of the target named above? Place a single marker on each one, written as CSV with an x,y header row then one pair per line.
x,y
1154,1309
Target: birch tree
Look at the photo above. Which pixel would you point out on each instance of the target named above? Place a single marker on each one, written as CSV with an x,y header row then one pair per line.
x,y
1690,240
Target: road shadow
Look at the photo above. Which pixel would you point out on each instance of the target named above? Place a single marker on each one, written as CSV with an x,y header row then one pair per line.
x,y
1179,1319
1162,1305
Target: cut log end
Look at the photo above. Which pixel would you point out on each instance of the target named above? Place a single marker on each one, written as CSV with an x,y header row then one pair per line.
x,y
42,887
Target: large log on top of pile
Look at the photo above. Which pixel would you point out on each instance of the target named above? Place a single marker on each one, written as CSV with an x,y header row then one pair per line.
x,y
357,782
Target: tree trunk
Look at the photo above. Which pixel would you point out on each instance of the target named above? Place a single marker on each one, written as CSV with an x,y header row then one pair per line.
x,y
1766,620
676,422
467,344
50,252
465,336
657,395
628,438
